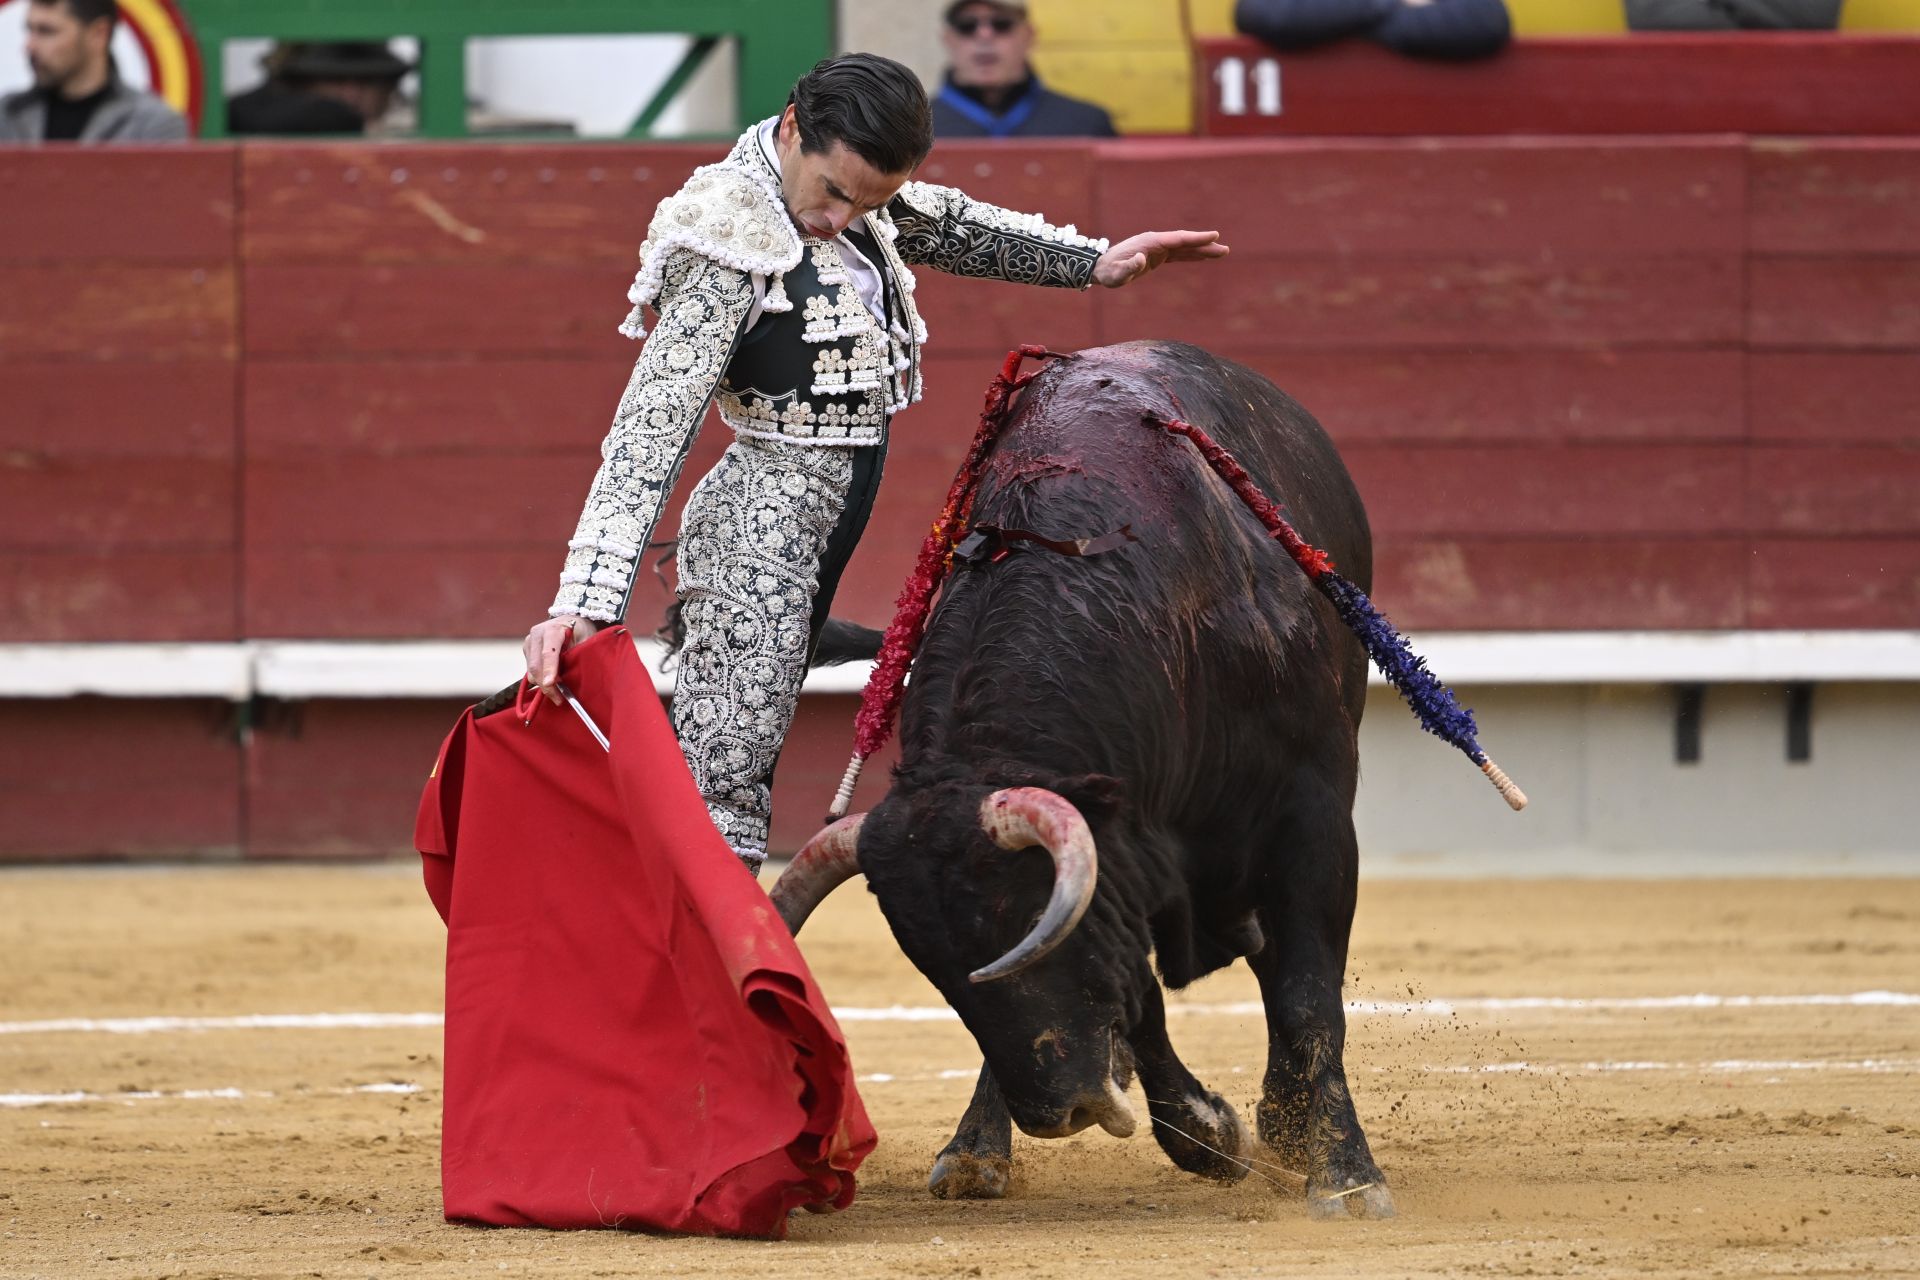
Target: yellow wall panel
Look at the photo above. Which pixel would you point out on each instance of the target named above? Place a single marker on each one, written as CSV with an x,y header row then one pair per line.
x,y
1147,90
1155,22
1211,17
1880,15
1567,17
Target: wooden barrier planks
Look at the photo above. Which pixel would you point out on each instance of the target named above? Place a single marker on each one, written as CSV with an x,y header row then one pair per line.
x,y
1568,583
129,204
1385,302
116,311
1533,338
1835,397
85,778
1671,397
1838,301
1834,491
116,409
1619,383
462,204
1551,490
425,406
86,594
334,778
1511,197
1833,582
1848,196
331,778
1647,83
118,303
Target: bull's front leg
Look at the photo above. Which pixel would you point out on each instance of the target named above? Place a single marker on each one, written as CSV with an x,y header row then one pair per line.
x,y
1306,1113
1197,1128
978,1163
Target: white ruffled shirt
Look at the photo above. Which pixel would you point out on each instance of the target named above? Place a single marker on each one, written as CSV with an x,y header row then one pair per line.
x,y
865,276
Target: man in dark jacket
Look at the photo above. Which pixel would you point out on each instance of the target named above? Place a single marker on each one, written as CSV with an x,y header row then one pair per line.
x,y
1450,29
991,92
77,95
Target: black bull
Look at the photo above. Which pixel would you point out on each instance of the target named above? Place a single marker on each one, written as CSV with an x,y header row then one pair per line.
x,y
1197,702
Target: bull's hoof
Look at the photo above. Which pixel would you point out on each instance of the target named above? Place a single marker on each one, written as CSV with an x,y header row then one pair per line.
x,y
1359,1200
958,1175
1206,1137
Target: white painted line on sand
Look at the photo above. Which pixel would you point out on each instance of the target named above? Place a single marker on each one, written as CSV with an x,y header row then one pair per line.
x,y
244,1022
127,1097
1725,1066
1438,1008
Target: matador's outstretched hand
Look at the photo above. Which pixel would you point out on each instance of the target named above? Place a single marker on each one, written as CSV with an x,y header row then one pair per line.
x,y
1129,259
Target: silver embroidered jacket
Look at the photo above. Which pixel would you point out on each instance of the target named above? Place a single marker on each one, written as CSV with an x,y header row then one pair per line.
x,y
705,247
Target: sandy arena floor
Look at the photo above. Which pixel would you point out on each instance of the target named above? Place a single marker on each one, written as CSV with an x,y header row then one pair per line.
x,y
1761,1133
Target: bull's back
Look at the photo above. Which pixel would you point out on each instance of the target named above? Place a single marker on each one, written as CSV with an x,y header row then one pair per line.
x,y
1195,662
1078,444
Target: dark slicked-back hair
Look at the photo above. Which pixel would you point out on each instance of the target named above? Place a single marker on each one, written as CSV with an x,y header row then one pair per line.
x,y
88,11
872,104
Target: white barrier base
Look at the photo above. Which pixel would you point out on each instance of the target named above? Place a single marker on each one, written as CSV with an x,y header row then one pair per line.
x,y
475,668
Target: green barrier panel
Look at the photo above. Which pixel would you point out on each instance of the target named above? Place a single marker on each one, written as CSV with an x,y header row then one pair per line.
x,y
778,40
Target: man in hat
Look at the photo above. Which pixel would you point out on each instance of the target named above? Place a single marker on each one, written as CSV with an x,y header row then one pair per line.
x,y
77,93
337,86
990,91
782,279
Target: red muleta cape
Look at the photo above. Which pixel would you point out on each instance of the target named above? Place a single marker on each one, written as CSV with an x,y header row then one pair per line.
x,y
632,1038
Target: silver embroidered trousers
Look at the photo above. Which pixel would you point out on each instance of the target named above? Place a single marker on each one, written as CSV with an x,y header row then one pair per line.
x,y
751,543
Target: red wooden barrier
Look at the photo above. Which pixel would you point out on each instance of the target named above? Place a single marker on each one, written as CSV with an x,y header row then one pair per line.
x,y
118,297
1583,383
1750,82
342,778
143,777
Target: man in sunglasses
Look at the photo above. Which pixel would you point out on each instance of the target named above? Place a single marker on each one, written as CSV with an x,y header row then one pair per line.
x,y
991,92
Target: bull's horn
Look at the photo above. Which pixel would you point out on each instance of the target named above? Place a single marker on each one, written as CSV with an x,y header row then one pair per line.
x,y
823,865
1019,818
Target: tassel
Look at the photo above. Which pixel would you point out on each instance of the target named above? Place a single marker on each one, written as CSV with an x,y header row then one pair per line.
x,y
776,299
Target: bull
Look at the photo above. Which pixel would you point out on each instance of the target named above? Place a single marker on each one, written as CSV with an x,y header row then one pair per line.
x,y
1140,758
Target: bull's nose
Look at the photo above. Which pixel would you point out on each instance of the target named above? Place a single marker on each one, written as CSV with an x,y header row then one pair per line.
x,y
1064,1127
1112,1112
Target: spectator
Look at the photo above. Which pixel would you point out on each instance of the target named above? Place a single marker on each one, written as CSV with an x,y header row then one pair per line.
x,y
1451,29
1733,15
334,87
990,91
77,93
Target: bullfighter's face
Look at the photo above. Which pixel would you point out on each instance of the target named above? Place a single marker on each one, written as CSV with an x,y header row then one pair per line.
x,y
1053,1033
826,191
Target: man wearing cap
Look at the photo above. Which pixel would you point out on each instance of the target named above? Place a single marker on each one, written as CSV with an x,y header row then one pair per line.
x,y
990,91
782,282
335,86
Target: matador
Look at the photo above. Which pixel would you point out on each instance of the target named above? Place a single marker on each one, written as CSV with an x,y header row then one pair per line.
x,y
783,286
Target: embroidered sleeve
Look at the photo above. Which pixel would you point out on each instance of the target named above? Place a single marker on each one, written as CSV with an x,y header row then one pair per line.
x,y
702,306
950,231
